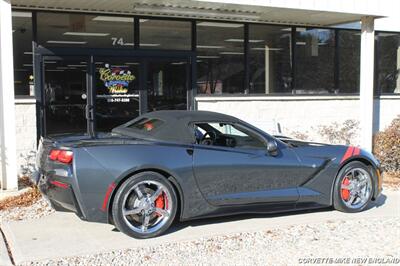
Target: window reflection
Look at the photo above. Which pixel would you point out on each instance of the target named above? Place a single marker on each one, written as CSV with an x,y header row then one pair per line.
x,y
314,61
65,95
270,60
167,85
349,61
220,58
165,34
388,50
77,30
117,91
22,45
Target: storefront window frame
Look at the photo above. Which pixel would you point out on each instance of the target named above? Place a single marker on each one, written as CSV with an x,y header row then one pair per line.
x,y
33,36
245,81
136,33
293,63
377,88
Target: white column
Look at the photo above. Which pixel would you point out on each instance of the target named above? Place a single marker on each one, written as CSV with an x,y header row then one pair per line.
x,y
9,179
367,81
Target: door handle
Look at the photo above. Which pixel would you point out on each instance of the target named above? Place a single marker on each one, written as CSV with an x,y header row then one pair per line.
x,y
89,112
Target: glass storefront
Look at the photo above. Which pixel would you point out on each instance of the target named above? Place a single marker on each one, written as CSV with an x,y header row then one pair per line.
x,y
65,91
77,30
165,34
314,61
22,41
348,65
107,69
117,87
167,84
388,62
270,59
220,57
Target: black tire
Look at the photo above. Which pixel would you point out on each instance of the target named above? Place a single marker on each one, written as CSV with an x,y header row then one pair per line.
x,y
338,202
118,204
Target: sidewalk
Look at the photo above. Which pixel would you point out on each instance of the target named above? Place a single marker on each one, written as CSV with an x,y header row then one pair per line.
x,y
64,235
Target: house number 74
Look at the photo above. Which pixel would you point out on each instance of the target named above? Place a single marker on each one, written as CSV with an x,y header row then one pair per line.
x,y
117,41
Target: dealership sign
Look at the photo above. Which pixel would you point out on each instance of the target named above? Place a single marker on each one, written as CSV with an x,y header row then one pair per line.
x,y
116,79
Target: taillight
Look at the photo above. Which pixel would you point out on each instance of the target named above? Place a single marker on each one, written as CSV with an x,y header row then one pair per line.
x,y
54,154
61,156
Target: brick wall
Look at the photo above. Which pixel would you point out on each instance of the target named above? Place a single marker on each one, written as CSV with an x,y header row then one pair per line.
x,y
25,123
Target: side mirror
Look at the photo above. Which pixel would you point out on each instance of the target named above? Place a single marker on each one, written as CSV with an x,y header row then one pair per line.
x,y
272,148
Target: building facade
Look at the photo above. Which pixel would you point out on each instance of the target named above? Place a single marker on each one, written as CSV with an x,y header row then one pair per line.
x,y
87,67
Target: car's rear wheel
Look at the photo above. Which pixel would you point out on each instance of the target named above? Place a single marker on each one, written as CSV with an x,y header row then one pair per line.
x,y
353,187
145,205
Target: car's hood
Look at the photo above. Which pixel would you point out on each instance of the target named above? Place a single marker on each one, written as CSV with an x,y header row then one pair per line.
x,y
327,152
299,143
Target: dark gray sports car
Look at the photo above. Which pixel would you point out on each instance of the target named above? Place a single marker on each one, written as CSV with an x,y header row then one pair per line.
x,y
194,164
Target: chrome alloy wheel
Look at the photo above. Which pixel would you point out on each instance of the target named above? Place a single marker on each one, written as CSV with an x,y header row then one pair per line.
x,y
356,188
146,207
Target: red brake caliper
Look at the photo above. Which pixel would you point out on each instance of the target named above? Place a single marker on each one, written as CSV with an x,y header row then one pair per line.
x,y
345,192
159,202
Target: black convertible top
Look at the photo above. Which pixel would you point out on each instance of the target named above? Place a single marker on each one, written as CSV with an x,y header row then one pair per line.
x,y
174,126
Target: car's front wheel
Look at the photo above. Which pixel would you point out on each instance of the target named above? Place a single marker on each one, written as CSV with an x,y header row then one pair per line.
x,y
353,187
145,205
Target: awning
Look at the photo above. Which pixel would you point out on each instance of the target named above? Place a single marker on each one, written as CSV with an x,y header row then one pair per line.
x,y
300,12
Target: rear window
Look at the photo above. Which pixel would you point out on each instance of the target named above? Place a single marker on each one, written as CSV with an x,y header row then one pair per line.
x,y
146,124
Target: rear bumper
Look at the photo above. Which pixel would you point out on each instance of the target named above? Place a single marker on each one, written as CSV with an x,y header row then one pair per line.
x,y
59,192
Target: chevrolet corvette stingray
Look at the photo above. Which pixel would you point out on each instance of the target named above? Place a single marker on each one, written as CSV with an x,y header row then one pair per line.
x,y
181,165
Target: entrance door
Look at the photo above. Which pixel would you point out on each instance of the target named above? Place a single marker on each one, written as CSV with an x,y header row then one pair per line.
x,y
65,94
117,87
88,94
167,84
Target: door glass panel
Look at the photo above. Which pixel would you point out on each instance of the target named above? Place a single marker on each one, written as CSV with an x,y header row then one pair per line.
x,y
167,85
117,92
65,95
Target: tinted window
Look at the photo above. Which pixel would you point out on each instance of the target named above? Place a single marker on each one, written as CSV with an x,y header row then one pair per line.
x,y
220,57
165,34
388,65
270,59
65,94
117,91
226,135
77,30
349,61
314,61
22,42
146,124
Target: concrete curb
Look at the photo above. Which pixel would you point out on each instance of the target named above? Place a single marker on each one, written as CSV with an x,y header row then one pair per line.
x,y
8,194
11,241
5,259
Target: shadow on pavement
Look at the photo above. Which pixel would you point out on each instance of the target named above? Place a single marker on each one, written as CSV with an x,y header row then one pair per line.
x,y
216,220
377,203
177,226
